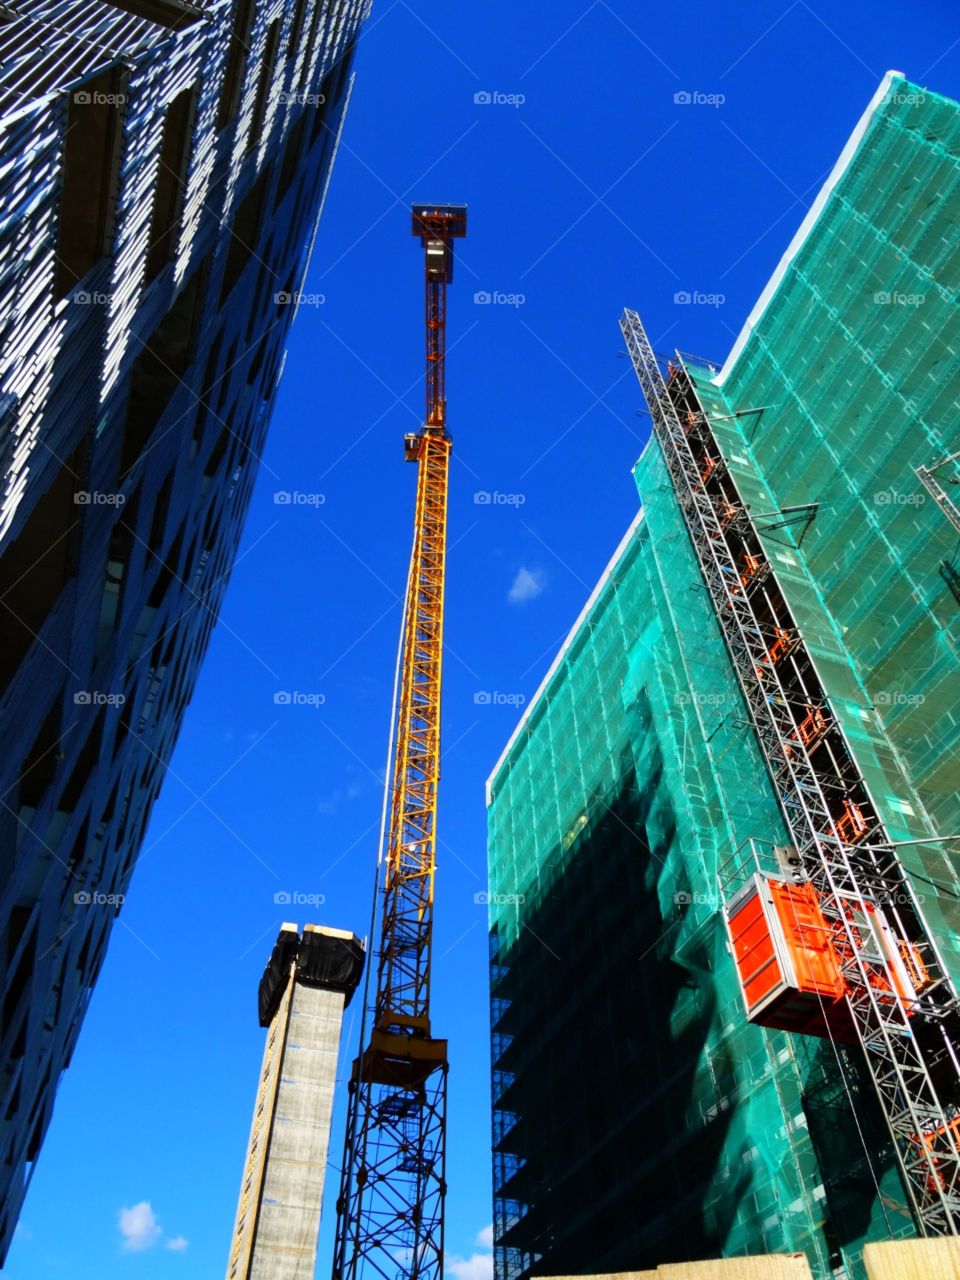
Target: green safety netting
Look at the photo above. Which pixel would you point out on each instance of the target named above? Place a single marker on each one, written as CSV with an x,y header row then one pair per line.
x,y
638,1118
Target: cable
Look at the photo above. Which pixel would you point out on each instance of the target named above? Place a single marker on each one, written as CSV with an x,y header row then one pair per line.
x,y
351,1136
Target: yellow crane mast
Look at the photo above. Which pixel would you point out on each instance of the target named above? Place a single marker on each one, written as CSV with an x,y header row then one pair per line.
x,y
390,1208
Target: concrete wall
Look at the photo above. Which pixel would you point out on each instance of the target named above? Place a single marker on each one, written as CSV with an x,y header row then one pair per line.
x,y
913,1260
884,1260
285,1242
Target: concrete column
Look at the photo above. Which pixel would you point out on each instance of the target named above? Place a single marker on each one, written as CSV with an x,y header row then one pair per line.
x,y
304,991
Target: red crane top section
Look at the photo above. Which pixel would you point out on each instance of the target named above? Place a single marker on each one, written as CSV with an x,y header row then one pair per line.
x,y
438,225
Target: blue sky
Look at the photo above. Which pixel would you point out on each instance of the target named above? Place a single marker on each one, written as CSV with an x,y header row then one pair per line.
x,y
590,187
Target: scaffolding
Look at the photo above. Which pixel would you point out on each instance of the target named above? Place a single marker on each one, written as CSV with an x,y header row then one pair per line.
x,y
908,1040
628,783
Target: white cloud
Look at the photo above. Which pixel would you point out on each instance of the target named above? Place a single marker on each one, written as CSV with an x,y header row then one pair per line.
x,y
139,1227
479,1266
526,585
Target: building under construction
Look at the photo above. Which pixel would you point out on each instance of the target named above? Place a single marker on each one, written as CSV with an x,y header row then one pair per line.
x,y
723,888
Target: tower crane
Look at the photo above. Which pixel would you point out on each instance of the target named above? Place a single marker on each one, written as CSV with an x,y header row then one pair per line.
x,y
390,1207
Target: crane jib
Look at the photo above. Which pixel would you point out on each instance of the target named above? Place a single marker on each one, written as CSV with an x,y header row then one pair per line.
x,y
393,1179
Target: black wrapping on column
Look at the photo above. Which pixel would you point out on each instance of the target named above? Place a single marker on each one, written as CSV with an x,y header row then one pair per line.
x,y
275,975
334,963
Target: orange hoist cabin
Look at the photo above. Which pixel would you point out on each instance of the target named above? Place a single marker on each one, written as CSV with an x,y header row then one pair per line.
x,y
788,957
785,955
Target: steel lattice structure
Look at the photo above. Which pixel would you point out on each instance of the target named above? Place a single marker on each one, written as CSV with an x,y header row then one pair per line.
x,y
908,1043
390,1209
928,478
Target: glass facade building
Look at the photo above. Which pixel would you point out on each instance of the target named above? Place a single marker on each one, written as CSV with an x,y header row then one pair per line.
x,y
162,169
